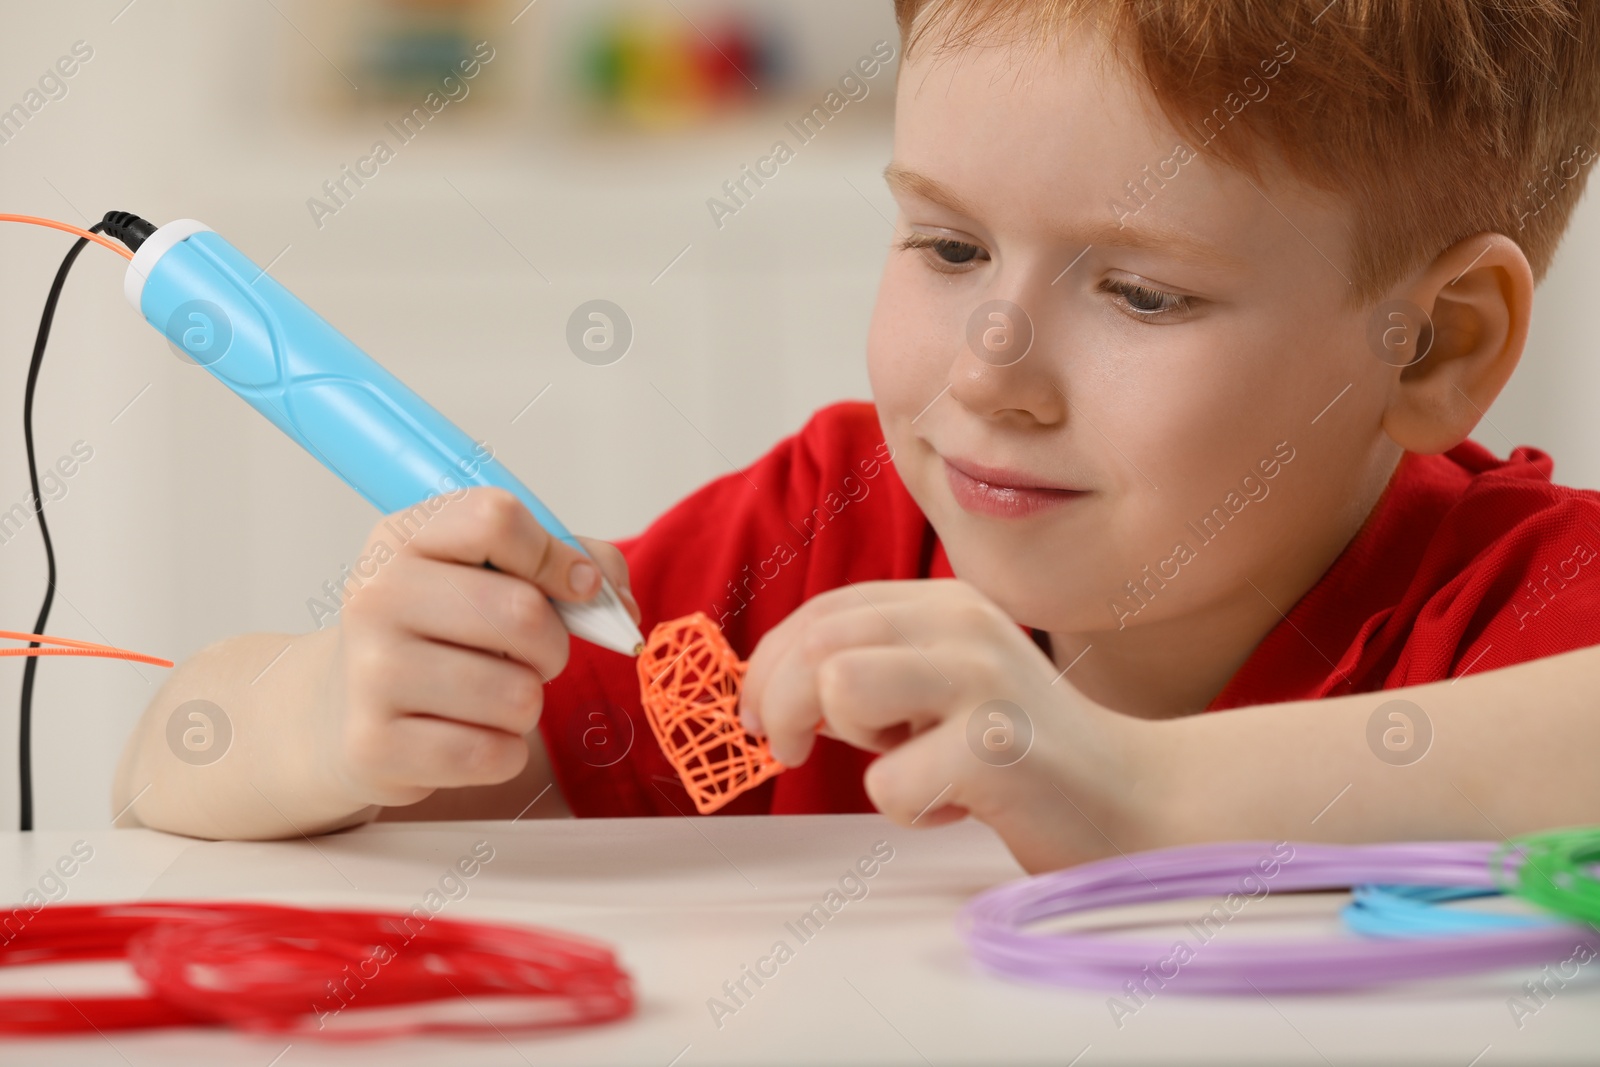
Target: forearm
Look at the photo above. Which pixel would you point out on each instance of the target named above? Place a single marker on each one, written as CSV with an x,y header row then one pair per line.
x,y
274,778
1511,751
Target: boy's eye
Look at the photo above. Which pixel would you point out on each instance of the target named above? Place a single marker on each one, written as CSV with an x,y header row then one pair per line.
x,y
954,251
945,253
1144,302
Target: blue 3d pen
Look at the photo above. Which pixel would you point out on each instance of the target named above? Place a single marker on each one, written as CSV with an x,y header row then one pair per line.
x,y
362,422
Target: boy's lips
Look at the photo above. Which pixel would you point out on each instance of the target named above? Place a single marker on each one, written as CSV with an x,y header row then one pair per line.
x,y
1002,493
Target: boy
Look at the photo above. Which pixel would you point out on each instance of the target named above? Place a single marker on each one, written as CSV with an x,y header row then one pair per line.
x,y
1190,312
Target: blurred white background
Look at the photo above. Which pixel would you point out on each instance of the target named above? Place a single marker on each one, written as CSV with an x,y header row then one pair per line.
x,y
457,266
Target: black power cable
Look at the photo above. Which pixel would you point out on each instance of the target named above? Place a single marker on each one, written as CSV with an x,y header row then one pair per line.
x,y
131,230
31,664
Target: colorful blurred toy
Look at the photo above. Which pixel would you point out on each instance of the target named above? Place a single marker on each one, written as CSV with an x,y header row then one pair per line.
x,y
403,48
661,70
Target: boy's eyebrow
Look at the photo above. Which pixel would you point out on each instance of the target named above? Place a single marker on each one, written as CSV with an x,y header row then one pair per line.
x,y
1106,234
908,180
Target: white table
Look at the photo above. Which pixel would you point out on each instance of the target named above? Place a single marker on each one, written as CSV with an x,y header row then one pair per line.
x,y
689,904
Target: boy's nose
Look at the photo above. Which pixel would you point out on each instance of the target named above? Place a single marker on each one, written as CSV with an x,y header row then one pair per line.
x,y
1003,367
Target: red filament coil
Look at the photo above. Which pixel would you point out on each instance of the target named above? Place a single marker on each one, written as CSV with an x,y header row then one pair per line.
x,y
276,969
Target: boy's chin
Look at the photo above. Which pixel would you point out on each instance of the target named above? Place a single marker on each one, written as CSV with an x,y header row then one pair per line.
x,y
1029,598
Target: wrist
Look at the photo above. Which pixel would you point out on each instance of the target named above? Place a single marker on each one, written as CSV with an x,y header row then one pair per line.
x,y
1137,773
1099,784
1185,769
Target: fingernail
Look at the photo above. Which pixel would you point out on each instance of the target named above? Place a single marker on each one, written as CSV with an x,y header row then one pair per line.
x,y
584,578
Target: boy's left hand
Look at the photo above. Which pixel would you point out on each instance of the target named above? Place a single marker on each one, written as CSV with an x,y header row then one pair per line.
x,y
970,715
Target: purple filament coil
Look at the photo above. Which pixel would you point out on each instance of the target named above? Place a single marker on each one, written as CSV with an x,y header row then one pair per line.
x,y
995,924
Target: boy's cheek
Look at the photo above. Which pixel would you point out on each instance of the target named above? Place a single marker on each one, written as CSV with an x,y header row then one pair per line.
x,y
908,357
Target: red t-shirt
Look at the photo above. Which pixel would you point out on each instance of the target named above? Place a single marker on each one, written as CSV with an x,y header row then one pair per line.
x,y
1467,563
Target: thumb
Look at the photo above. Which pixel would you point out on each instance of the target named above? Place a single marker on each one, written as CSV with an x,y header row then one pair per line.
x,y
922,782
565,573
615,567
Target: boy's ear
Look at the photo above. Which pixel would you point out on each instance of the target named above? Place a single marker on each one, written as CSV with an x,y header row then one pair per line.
x,y
1478,299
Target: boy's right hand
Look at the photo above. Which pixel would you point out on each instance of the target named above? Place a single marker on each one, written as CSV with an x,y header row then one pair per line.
x,y
441,663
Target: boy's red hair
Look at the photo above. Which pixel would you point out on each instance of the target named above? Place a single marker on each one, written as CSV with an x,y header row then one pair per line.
x,y
1434,119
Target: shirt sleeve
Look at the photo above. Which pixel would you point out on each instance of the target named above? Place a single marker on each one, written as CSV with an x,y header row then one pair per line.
x,y
822,508
1514,574
1468,563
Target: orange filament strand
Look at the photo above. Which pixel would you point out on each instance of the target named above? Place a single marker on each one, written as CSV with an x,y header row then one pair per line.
x,y
71,647
98,239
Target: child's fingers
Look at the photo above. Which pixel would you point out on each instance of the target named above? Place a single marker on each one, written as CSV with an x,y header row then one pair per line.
x,y
883,598
460,684
490,525
769,653
615,567
468,606
775,649
786,693
419,750
877,697
922,782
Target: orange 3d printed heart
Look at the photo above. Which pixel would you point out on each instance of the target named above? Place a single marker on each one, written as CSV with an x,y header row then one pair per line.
x,y
689,684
